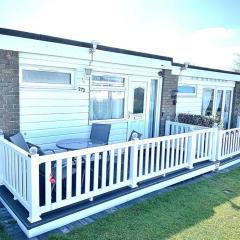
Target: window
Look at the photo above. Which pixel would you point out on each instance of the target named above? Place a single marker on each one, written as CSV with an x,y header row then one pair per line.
x,y
138,102
108,81
207,102
187,90
227,109
107,98
217,103
46,77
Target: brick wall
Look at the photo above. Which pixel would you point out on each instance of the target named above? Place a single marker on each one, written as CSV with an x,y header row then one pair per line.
x,y
9,92
168,109
236,104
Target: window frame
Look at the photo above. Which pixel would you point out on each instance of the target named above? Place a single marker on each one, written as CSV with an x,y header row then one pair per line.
x,y
215,91
213,102
188,94
70,71
123,89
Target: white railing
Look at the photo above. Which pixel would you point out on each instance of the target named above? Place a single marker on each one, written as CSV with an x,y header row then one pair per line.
x,y
45,183
84,174
228,143
158,156
15,171
172,128
205,145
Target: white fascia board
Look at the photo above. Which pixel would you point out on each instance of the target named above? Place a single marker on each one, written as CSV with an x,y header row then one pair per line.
x,y
56,49
42,47
127,59
191,72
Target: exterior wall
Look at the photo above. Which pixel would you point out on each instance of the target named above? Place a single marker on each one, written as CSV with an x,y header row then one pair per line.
x,y
49,114
168,109
193,104
236,105
9,92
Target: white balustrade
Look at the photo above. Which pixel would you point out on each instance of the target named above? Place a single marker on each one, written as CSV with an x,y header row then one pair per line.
x,y
228,143
172,128
45,183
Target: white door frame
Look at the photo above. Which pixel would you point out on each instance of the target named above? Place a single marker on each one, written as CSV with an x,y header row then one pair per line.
x,y
133,82
147,81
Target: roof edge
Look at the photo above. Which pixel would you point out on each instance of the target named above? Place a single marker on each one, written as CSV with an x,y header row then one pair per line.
x,y
206,68
47,38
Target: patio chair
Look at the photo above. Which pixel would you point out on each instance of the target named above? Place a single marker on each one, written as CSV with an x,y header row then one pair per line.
x,y
134,134
100,132
19,140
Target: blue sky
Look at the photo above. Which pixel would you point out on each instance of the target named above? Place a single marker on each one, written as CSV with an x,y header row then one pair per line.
x,y
202,32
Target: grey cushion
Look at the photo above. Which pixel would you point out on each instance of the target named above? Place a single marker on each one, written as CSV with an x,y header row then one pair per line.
x,y
19,140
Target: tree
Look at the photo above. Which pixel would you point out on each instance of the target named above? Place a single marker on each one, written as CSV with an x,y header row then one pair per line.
x,y
236,63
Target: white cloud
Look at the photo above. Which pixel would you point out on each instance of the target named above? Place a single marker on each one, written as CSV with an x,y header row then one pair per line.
x,y
116,23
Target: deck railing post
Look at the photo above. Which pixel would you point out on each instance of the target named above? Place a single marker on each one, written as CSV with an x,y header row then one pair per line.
x,y
33,186
215,143
1,157
219,144
167,128
133,163
191,149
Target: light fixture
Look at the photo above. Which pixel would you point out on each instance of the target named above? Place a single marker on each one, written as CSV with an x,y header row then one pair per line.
x,y
174,96
94,46
160,73
88,71
185,66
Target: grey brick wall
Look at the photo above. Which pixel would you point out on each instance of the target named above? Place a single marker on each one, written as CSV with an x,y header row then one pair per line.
x,y
168,110
9,92
236,104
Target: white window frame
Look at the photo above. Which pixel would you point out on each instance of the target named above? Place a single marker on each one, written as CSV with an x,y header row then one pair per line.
x,y
215,90
72,85
110,88
188,94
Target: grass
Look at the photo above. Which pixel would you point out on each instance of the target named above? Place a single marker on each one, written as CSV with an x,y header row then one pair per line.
x,y
209,209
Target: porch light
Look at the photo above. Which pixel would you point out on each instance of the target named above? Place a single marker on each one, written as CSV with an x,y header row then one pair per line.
x,y
185,66
88,71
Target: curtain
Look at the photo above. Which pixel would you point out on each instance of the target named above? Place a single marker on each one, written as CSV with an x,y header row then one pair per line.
x,y
227,108
207,95
117,105
106,105
219,99
99,105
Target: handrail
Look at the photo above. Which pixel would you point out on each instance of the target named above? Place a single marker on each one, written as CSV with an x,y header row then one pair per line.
x,y
102,169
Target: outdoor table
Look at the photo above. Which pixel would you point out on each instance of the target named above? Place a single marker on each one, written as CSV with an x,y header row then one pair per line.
x,y
78,143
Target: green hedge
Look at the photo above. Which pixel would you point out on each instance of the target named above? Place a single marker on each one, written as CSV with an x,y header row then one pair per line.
x,y
196,120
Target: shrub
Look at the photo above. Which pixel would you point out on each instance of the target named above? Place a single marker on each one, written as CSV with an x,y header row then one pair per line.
x,y
196,120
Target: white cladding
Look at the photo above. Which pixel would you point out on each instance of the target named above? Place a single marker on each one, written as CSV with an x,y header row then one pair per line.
x,y
193,103
49,114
